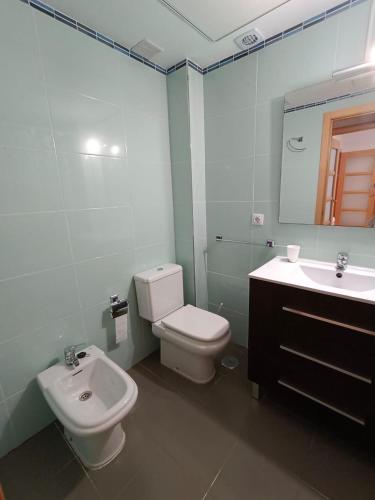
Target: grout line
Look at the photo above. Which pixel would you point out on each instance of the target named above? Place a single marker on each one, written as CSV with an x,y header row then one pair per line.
x,y
225,461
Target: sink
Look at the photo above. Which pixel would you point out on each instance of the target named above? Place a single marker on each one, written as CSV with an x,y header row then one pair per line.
x,y
90,400
356,282
349,280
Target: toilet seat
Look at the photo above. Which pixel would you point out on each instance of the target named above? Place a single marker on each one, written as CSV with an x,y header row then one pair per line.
x,y
197,324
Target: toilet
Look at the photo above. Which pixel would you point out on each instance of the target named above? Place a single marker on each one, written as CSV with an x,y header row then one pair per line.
x,y
190,338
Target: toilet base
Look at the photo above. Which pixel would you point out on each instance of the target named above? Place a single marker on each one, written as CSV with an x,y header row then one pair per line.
x,y
98,450
195,367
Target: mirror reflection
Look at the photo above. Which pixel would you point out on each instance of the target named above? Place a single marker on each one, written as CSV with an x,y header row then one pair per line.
x,y
328,170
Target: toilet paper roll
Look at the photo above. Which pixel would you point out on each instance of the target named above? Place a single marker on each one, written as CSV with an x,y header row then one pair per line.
x,y
121,324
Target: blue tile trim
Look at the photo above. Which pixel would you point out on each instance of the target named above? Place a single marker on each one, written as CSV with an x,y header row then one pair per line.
x,y
326,101
59,16
73,23
308,23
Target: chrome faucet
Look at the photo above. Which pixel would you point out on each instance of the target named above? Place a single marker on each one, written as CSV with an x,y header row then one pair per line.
x,y
70,354
342,261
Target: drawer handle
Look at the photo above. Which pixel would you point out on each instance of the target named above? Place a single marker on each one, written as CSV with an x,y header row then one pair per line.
x,y
323,403
327,365
329,321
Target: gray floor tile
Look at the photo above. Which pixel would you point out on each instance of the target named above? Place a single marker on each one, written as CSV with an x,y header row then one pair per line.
x,y
71,483
24,469
139,454
165,479
340,470
183,429
248,474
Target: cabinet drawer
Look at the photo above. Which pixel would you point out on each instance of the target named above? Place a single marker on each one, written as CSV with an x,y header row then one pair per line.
x,y
338,391
347,347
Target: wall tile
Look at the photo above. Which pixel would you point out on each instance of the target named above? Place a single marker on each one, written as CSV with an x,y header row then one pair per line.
x,y
297,61
153,222
33,242
29,181
154,255
29,302
98,279
86,125
144,91
230,180
267,177
233,292
354,240
230,219
269,126
100,232
94,181
23,357
148,138
158,185
230,136
231,259
240,77
74,61
29,412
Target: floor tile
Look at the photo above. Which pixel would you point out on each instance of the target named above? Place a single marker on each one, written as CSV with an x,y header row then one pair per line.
x,y
23,470
182,428
140,453
248,474
71,483
164,479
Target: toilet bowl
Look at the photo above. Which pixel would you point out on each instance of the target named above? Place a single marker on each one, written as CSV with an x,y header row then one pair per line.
x,y
91,400
190,337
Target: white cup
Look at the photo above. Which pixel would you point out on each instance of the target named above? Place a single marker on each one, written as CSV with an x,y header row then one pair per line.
x,y
293,252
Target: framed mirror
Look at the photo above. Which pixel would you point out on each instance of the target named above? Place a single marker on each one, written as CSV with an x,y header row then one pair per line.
x,y
328,166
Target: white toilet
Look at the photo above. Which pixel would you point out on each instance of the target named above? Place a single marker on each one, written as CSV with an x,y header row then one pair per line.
x,y
90,401
190,337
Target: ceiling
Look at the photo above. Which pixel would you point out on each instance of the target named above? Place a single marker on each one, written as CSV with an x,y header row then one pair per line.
x,y
187,32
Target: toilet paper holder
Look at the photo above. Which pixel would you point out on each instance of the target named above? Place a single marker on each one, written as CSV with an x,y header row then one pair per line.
x,y
119,307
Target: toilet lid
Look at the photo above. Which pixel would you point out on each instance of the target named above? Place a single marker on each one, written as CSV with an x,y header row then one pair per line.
x,y
196,323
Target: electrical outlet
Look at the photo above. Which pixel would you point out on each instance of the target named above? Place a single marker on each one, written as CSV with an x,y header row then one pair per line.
x,y
258,219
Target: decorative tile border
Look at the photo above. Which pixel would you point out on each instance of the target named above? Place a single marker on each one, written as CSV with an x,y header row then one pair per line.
x,y
326,101
59,16
285,34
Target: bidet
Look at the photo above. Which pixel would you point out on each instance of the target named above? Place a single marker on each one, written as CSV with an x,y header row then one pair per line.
x,y
90,401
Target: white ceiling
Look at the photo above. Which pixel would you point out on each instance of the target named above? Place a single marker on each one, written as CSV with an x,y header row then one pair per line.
x,y
129,21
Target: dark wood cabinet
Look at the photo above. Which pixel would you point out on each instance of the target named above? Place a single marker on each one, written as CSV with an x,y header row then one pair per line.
x,y
315,351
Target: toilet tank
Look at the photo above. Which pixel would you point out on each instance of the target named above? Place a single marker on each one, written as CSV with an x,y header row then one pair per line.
x,y
159,291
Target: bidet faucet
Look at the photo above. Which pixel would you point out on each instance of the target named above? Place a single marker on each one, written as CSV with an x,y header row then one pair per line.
x,y
342,261
70,355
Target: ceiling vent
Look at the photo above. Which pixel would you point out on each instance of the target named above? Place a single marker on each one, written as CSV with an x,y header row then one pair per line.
x,y
249,39
146,48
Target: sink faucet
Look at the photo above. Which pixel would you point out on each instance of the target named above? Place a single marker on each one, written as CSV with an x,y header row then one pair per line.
x,y
342,261
70,355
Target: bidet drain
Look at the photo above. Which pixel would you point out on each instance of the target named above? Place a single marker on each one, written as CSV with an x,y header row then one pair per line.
x,y
85,396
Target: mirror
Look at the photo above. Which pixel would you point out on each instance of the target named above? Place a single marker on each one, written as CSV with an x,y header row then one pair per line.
x,y
328,166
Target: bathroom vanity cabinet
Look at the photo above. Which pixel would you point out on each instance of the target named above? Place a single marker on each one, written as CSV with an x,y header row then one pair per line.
x,y
316,351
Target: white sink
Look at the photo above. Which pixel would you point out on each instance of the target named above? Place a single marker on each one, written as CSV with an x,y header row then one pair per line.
x,y
356,282
349,280
90,400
